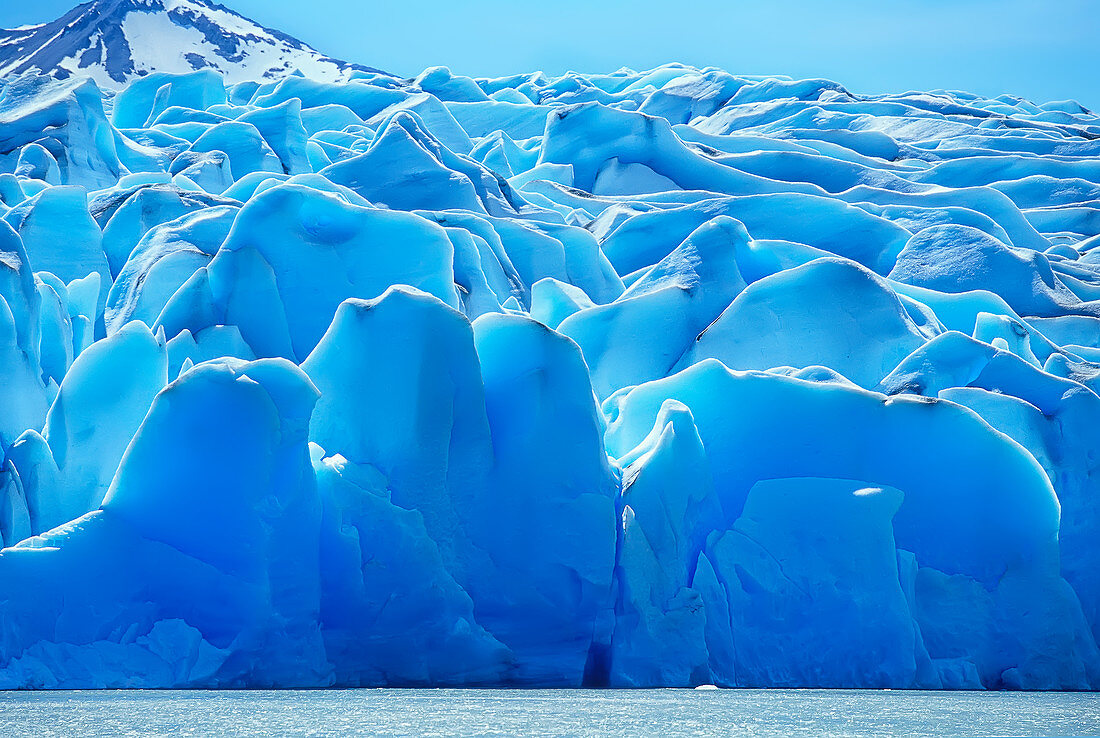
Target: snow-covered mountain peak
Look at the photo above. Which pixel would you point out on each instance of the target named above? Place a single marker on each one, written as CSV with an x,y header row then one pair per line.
x,y
114,41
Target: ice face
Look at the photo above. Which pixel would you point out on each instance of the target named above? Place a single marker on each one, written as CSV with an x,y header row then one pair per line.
x,y
811,301
656,378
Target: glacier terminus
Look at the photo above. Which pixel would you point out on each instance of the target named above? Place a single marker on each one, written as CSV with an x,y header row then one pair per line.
x,y
312,375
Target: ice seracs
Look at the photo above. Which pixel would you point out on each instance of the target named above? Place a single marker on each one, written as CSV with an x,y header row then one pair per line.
x,y
662,378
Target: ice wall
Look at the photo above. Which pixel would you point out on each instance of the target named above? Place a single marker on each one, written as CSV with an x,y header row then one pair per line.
x,y
653,378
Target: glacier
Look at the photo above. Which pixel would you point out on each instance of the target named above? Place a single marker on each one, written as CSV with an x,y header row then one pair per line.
x,y
660,378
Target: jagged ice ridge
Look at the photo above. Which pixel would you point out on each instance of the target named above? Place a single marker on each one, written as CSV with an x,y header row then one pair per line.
x,y
650,378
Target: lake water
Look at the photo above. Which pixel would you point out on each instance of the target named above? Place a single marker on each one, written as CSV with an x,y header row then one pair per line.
x,y
664,712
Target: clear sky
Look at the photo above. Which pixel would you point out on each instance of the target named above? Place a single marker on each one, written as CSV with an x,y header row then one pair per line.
x,y
1041,49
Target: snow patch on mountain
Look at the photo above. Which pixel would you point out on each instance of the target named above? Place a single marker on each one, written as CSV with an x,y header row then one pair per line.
x,y
114,41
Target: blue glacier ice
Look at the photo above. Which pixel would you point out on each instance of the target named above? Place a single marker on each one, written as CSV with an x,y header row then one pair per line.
x,y
658,378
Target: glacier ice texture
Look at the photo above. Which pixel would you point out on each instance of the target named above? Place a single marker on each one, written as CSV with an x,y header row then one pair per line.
x,y
658,378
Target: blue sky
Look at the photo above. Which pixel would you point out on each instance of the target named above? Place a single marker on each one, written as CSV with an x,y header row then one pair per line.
x,y
1041,49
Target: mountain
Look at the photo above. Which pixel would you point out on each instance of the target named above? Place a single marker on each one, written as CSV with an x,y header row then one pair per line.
x,y
115,41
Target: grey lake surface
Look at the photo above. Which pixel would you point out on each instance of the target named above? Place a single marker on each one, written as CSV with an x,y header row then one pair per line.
x,y
439,712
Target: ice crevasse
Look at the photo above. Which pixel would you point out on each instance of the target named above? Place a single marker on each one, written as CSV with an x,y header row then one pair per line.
x,y
657,378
